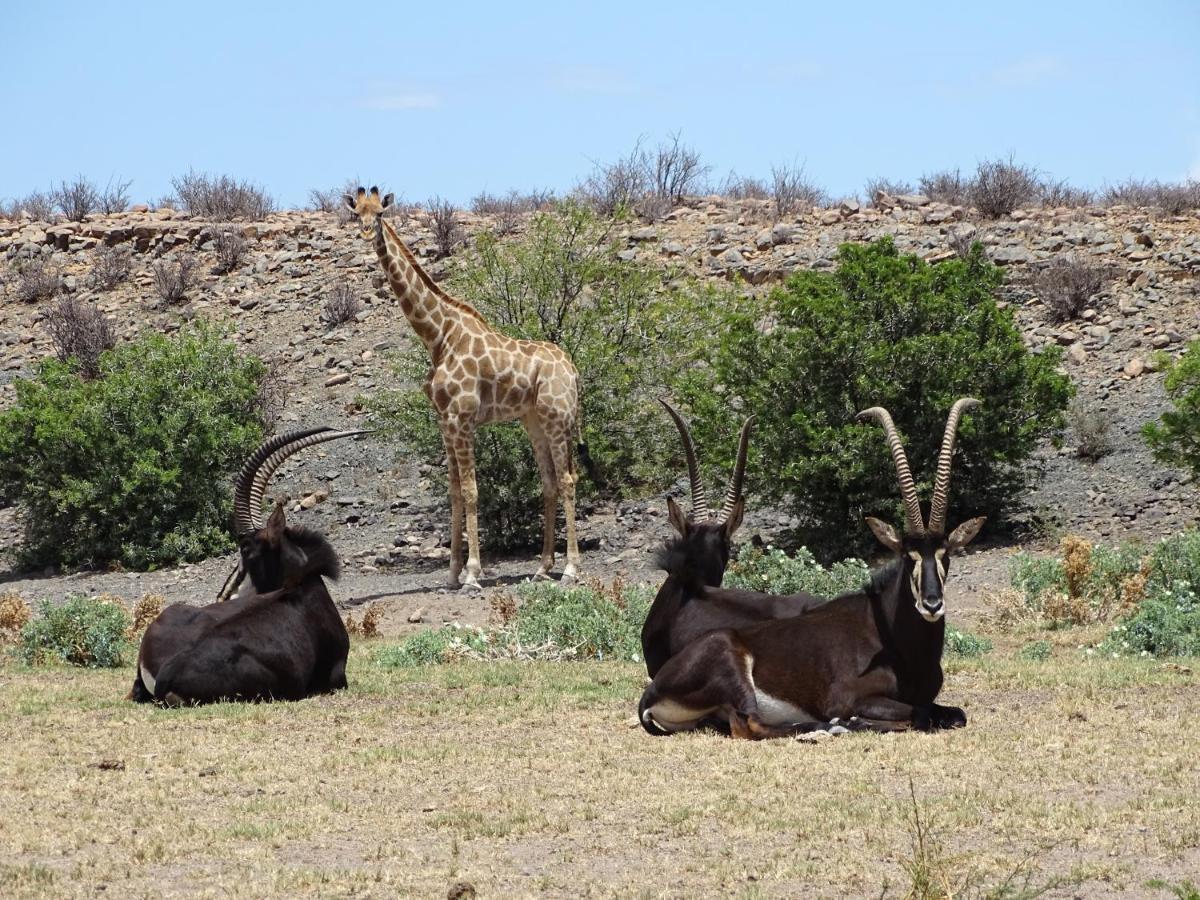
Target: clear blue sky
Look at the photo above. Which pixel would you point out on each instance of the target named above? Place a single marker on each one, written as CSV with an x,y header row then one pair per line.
x,y
453,98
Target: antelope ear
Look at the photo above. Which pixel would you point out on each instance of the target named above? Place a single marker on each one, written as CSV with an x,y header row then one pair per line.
x,y
734,522
350,202
965,533
387,201
278,521
885,534
677,517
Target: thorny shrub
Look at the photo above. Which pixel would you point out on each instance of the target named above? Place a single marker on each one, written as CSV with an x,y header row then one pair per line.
x,y
111,266
38,280
80,331
173,279
341,304
222,197
231,248
1066,285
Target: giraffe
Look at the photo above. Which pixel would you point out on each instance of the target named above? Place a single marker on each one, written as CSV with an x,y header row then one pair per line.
x,y
478,375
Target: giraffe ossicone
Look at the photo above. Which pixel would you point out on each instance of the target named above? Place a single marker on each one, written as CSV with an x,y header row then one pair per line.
x,y
479,375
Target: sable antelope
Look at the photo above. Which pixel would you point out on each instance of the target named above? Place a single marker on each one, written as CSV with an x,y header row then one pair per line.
x,y
695,562
872,658
281,637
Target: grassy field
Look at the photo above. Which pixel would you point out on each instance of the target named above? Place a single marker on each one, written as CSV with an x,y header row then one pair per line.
x,y
1075,774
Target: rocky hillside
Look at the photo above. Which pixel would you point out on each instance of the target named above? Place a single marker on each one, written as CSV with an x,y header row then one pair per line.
x,y
390,514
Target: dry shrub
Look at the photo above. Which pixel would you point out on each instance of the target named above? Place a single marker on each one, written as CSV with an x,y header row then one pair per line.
x,y
441,217
1172,199
222,197
1002,185
676,171
1066,285
38,280
1060,193
111,267
370,622
1077,563
1090,426
173,280
876,186
1133,588
961,243
341,304
508,210
368,627
81,331
947,186
1008,607
14,614
231,249
504,608
76,199
115,197
793,192
1060,608
36,205
145,611
744,187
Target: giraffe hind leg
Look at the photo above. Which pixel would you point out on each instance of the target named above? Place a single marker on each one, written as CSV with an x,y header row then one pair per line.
x,y
456,511
545,464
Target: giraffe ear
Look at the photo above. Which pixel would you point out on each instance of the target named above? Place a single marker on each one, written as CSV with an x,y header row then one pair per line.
x,y
350,202
387,201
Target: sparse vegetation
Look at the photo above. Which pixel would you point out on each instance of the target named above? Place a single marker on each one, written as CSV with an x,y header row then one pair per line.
x,y
36,205
1067,285
441,217
222,197
792,191
231,248
588,622
1002,185
84,631
15,613
1056,194
744,187
888,186
131,467
174,278
1170,199
947,186
38,280
1091,428
507,210
341,304
115,197
80,332
76,199
649,182
964,644
111,266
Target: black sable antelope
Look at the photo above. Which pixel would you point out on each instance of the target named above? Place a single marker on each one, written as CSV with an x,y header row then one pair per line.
x,y
872,658
281,637
691,602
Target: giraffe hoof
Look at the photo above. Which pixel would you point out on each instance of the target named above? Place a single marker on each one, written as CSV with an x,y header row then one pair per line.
x,y
471,587
569,578
540,575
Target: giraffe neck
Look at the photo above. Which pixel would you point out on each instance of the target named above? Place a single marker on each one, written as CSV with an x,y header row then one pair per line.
x,y
429,309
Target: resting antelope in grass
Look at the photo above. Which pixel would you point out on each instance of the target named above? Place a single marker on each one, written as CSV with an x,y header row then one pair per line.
x,y
281,637
686,607
870,659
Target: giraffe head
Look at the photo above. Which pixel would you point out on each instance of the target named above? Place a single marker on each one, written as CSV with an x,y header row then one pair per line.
x,y
368,207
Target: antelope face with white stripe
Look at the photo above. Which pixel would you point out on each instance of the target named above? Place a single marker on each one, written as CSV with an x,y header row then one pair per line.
x,y
926,559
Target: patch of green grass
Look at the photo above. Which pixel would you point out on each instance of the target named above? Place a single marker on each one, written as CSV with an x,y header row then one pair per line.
x,y
965,644
1035,651
84,631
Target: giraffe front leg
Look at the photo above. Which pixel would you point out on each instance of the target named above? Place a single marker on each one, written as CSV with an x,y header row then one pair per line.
x,y
456,511
561,455
464,448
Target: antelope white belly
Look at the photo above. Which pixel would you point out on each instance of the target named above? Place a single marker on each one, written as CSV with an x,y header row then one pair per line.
x,y
147,678
774,711
672,716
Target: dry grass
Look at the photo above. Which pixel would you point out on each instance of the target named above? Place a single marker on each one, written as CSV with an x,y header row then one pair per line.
x,y
528,778
15,612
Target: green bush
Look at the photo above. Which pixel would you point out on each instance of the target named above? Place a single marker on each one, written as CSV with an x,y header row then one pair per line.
x,y
1035,651
883,330
560,282
84,631
1166,623
776,572
966,645
550,622
1175,438
132,467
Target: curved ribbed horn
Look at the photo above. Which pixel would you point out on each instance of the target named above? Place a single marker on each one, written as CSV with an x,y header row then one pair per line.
x,y
941,484
699,497
245,516
908,490
739,472
297,441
